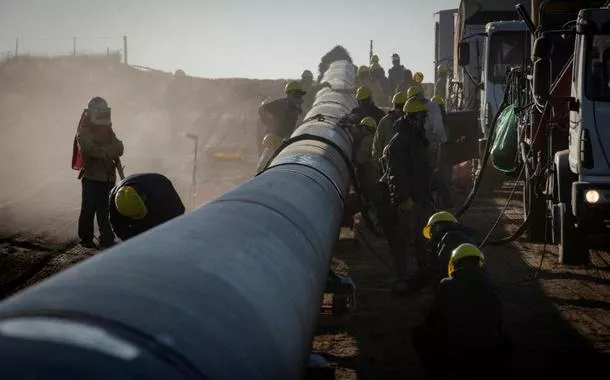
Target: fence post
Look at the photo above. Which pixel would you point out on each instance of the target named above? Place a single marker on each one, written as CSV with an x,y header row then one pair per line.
x,y
74,47
16,47
125,49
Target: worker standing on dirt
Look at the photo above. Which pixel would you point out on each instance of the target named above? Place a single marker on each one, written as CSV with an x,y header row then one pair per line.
x,y
465,319
141,202
366,168
366,106
408,175
396,73
440,87
100,149
308,86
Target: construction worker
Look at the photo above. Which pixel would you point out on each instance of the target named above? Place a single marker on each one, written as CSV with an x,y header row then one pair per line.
x,y
100,149
408,175
385,129
366,167
261,128
363,77
366,106
435,129
308,86
379,84
443,172
440,87
280,115
396,73
141,202
465,319
406,82
445,233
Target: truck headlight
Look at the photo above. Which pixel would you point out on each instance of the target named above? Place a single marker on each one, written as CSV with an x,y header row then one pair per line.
x,y
592,196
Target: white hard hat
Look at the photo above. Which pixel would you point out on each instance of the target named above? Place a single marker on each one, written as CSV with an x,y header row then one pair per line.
x,y
98,111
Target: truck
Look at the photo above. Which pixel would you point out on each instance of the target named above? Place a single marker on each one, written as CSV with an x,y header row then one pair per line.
x,y
443,38
488,39
564,130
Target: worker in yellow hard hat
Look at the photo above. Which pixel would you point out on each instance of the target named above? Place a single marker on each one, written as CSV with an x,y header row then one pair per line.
x,y
384,133
440,86
408,176
363,77
465,317
280,116
366,106
366,168
141,202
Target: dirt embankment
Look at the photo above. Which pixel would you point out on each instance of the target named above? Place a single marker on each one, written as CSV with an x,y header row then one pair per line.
x,y
41,100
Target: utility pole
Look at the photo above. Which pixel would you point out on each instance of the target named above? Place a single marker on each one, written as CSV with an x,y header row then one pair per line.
x,y
74,47
125,49
16,47
370,51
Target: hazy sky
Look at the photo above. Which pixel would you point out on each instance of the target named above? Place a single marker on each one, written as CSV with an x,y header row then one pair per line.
x,y
227,38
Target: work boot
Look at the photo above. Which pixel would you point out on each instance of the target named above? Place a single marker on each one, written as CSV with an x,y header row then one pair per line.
x,y
87,244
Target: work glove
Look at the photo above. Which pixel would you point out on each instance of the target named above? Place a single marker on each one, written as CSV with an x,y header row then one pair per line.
x,y
406,205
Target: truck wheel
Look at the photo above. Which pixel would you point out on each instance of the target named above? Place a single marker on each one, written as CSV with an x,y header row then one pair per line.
x,y
573,248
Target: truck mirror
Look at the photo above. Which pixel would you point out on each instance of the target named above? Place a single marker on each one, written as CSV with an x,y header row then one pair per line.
x,y
543,47
463,53
542,78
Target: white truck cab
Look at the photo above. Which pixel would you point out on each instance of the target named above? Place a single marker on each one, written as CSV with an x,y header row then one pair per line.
x,y
506,45
589,133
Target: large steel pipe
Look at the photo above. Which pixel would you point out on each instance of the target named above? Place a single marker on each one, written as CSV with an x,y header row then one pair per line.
x,y
229,291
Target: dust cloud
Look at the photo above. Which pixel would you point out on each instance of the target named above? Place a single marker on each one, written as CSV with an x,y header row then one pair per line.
x,y
41,100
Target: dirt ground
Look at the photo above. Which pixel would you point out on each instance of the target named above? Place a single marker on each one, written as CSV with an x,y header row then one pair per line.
x,y
558,317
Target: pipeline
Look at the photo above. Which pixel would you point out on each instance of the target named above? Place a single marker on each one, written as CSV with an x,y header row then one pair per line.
x,y
229,291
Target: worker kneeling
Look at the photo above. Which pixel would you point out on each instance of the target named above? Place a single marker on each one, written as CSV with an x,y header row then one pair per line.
x,y
464,322
445,234
141,202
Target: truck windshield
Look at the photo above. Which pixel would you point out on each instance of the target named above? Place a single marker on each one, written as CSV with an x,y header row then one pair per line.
x,y
506,50
597,68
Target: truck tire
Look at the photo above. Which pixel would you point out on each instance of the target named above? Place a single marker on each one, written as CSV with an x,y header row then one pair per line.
x,y
573,248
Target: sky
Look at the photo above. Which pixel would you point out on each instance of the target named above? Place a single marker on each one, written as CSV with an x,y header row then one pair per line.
x,y
227,38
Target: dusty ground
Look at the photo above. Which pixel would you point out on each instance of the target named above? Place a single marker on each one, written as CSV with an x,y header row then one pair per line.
x,y
559,321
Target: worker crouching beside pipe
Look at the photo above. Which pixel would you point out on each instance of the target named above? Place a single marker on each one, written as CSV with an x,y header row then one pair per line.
x,y
141,202
462,336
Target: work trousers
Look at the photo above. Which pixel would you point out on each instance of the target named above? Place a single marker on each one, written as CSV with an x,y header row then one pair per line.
x,y
95,204
403,231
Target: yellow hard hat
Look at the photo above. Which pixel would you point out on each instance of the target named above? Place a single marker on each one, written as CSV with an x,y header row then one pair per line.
x,y
414,105
294,87
307,75
129,203
463,251
369,122
363,70
418,77
363,93
438,100
441,216
272,141
375,58
414,90
442,69
399,98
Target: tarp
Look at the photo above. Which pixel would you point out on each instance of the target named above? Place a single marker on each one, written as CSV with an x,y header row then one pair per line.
x,y
504,148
